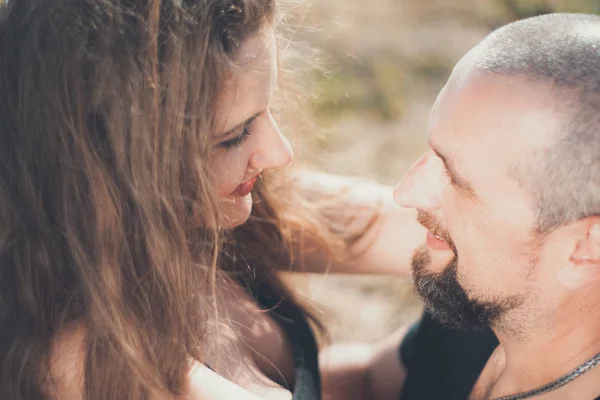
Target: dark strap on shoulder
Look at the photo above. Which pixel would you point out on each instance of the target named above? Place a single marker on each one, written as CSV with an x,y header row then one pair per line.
x,y
301,337
443,363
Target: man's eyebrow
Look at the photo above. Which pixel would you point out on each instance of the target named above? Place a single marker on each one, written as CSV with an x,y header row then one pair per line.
x,y
239,126
454,175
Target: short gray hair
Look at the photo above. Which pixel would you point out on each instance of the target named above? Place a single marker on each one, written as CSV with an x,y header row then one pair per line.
x,y
562,50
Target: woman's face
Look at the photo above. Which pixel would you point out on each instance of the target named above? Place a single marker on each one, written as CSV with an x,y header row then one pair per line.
x,y
249,140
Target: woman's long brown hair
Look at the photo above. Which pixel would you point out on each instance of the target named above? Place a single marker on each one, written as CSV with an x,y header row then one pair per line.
x,y
106,113
106,110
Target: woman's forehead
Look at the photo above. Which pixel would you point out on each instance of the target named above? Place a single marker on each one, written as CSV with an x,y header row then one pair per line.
x,y
257,49
249,89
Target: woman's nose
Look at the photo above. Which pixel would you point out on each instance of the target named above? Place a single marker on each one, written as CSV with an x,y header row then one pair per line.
x,y
274,150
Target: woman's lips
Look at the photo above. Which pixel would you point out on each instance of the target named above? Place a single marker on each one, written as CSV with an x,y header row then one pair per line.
x,y
245,188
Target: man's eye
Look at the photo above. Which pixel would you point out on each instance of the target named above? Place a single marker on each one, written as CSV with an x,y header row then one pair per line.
x,y
237,141
450,177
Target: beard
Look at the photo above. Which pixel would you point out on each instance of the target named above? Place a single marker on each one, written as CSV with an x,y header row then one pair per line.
x,y
444,296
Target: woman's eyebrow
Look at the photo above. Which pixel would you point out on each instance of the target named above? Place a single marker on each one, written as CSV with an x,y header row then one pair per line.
x,y
246,122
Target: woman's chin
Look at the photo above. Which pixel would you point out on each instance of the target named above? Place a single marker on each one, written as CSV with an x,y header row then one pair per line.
x,y
236,210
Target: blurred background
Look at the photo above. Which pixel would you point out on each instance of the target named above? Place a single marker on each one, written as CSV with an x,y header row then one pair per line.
x,y
381,64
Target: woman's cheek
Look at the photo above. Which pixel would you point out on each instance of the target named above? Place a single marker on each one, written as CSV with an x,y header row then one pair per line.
x,y
229,169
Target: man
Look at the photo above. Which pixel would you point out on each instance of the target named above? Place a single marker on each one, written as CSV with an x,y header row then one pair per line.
x,y
510,194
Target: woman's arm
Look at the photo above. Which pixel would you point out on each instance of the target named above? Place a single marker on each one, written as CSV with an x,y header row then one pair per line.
x,y
364,371
391,236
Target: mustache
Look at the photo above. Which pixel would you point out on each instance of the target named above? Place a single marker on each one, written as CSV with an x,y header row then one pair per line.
x,y
434,226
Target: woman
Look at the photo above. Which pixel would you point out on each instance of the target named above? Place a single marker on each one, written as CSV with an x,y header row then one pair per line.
x,y
135,136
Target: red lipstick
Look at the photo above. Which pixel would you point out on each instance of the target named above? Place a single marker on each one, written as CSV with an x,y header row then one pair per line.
x,y
245,188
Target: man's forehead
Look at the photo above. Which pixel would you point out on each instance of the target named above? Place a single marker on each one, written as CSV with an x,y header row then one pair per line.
x,y
488,125
498,110
462,74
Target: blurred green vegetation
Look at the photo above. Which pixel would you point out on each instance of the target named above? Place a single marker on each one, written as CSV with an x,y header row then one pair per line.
x,y
366,88
378,84
506,11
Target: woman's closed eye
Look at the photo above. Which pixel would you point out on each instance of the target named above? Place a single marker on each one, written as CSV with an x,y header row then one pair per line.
x,y
238,140
241,138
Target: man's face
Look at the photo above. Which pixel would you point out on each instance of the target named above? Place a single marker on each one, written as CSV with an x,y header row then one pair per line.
x,y
481,256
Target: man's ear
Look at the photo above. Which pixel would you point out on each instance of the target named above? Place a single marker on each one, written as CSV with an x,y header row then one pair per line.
x,y
584,263
587,249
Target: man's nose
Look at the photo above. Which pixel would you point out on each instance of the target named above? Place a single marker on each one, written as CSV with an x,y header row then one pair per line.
x,y
422,185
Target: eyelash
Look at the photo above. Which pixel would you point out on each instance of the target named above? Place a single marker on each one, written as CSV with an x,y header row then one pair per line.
x,y
237,141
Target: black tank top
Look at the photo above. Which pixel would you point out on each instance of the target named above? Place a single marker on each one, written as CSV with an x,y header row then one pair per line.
x,y
302,339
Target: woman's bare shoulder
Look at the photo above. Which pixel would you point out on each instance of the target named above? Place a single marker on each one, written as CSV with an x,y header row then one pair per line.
x,y
66,377
66,364
208,385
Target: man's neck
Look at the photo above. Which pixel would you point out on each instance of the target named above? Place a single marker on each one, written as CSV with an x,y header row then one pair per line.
x,y
546,355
